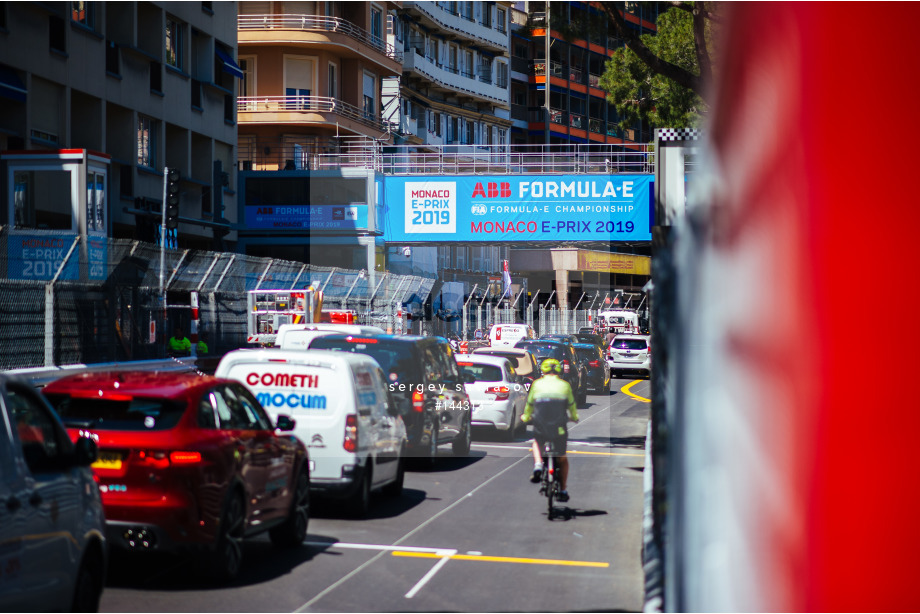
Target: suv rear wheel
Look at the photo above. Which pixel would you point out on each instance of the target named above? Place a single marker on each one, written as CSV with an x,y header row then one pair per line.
x,y
462,443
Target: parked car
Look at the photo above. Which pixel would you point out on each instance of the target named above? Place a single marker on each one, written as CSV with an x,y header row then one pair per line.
x,y
572,370
345,416
596,364
188,462
53,551
506,335
496,392
425,383
525,365
630,354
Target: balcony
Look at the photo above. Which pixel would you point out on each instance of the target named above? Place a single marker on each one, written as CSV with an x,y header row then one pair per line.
x,y
249,25
440,19
446,79
304,109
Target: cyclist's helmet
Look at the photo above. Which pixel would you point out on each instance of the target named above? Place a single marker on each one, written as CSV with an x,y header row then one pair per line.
x,y
551,365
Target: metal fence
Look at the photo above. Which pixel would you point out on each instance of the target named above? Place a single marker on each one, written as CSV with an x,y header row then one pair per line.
x,y
67,300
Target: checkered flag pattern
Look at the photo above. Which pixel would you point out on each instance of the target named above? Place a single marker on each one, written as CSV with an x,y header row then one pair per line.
x,y
678,134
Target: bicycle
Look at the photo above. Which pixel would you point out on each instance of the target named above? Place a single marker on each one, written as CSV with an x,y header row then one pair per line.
x,y
549,484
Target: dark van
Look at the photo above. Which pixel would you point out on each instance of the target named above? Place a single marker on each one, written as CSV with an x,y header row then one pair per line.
x,y
426,385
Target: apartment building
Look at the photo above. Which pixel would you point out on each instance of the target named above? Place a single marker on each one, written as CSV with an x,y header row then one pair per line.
x,y
576,110
454,88
312,74
120,90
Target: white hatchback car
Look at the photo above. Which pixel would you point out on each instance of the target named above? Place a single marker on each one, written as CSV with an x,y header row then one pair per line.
x,y
498,394
630,354
52,529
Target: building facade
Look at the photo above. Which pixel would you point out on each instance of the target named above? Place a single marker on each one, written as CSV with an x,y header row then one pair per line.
x,y
132,87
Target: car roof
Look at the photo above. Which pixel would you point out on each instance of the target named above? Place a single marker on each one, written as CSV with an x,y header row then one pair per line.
x,y
159,384
407,339
584,346
490,349
627,336
314,357
483,359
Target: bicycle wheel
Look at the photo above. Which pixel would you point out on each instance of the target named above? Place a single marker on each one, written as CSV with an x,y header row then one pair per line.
x,y
550,486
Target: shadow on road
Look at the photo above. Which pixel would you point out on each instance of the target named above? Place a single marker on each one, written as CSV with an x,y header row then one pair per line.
x,y
447,462
382,506
568,513
637,442
186,572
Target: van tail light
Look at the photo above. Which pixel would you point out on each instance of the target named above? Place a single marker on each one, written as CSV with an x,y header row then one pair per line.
x,y
184,458
418,401
565,366
594,363
500,392
351,433
648,348
157,459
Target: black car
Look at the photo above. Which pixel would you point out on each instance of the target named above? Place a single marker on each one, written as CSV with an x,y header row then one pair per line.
x,y
593,338
426,385
572,369
563,337
598,370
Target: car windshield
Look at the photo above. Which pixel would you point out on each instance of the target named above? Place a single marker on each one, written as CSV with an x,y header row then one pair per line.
x,y
395,358
481,373
589,353
628,344
136,414
589,338
544,350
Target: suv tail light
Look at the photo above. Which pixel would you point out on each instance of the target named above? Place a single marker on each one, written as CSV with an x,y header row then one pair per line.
x,y
351,433
184,458
565,366
500,392
594,363
418,401
648,348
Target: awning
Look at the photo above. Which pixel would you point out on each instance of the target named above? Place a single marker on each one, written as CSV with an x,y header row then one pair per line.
x,y
229,65
11,85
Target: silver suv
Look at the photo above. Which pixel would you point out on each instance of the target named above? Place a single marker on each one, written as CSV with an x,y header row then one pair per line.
x,y
630,354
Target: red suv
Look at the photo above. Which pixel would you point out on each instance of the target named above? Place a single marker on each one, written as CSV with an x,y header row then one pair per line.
x,y
187,462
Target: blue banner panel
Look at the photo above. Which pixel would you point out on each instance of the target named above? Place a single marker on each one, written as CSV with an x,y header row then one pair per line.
x,y
39,256
299,217
506,208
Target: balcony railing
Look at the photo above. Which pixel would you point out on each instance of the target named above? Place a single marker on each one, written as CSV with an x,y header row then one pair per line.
x,y
596,126
308,104
318,23
594,80
577,121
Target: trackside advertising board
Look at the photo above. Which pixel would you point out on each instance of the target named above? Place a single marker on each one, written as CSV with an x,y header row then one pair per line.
x,y
504,208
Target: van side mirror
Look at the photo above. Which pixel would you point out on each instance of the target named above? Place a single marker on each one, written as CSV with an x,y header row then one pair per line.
x,y
85,452
285,423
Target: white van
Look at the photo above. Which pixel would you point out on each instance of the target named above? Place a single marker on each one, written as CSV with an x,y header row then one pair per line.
x,y
506,335
299,336
619,321
344,413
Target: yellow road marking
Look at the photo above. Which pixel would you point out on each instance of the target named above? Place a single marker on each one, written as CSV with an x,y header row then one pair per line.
x,y
500,559
625,390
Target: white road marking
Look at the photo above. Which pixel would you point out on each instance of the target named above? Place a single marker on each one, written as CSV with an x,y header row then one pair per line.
x,y
383,547
360,568
428,576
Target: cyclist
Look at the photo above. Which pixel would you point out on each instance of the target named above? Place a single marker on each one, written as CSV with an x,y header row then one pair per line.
x,y
549,403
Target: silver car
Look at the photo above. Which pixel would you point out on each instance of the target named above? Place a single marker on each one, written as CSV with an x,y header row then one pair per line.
x,y
52,529
630,355
497,393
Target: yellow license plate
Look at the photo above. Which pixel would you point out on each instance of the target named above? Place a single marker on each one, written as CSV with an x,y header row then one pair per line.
x,y
108,461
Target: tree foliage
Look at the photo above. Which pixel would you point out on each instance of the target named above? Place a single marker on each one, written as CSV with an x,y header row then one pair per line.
x,y
660,78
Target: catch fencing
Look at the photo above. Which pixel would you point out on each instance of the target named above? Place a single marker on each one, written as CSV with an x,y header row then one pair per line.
x,y
66,299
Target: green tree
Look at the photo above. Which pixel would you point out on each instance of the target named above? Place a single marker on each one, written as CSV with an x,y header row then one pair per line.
x,y
660,79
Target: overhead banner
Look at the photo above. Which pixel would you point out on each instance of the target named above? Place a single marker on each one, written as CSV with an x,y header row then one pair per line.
x,y
306,217
502,208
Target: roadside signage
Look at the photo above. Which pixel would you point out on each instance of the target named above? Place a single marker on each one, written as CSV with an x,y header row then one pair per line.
x,y
38,256
504,208
309,217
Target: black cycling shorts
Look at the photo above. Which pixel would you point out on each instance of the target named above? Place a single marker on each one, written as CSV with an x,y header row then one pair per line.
x,y
559,441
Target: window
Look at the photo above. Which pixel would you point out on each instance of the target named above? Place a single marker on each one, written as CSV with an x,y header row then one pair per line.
x,y
487,15
333,82
370,95
95,201
470,128
501,20
57,34
40,438
247,85
156,77
437,124
467,69
84,13
42,199
502,74
146,142
112,60
376,24
174,43
502,135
